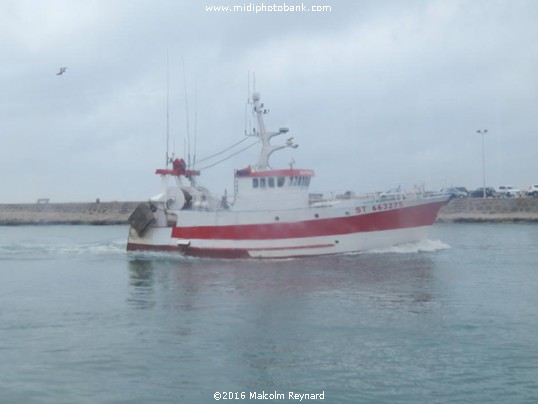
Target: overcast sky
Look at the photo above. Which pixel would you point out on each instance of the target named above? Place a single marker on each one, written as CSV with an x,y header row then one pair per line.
x,y
376,93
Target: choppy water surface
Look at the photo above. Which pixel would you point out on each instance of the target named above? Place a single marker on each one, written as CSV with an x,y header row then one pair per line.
x,y
450,319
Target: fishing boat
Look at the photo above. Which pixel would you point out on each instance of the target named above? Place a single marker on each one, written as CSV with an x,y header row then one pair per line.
x,y
272,214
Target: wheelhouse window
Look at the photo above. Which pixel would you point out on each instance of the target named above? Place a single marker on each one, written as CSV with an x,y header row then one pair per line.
x,y
298,181
293,181
269,182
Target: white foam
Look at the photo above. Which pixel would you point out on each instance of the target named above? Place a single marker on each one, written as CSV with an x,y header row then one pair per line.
x,y
414,247
34,249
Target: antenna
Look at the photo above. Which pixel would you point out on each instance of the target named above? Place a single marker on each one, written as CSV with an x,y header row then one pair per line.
x,y
291,163
247,104
187,113
167,107
195,120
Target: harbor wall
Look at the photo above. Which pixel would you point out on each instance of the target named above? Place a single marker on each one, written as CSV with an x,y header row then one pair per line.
x,y
101,213
490,210
97,213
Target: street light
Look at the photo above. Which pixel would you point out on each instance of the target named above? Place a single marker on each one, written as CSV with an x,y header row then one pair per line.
x,y
483,132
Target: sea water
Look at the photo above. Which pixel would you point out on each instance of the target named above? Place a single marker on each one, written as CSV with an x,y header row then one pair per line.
x,y
450,319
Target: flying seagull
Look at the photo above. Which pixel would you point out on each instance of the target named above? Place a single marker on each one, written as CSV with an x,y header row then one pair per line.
x,y
62,71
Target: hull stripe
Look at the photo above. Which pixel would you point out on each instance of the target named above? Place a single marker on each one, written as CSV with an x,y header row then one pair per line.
x,y
414,216
297,247
217,252
140,247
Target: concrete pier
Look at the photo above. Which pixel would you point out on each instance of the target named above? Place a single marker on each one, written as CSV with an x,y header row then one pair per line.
x,y
490,210
101,213
98,213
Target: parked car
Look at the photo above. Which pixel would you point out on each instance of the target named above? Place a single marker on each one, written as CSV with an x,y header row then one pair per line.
x,y
533,191
454,192
508,191
479,193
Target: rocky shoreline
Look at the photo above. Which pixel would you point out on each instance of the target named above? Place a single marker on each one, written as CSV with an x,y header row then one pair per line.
x,y
107,213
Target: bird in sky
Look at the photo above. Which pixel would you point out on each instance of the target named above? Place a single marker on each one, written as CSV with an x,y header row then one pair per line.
x,y
62,71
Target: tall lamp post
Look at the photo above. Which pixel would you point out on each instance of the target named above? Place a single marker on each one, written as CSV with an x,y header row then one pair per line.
x,y
483,132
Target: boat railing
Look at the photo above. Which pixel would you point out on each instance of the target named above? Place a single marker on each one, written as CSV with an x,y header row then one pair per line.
x,y
331,198
326,199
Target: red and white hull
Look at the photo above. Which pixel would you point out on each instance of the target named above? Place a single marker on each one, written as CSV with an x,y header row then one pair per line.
x,y
292,233
272,214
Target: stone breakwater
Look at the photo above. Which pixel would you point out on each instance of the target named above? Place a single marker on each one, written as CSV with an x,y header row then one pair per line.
x,y
490,210
97,213
101,213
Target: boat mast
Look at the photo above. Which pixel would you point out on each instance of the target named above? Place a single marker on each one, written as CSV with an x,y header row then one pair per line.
x,y
265,137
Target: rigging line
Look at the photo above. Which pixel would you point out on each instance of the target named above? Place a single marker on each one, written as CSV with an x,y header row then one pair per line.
x,y
223,151
230,156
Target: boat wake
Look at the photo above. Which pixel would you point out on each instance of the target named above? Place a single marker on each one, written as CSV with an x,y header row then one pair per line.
x,y
39,250
414,247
